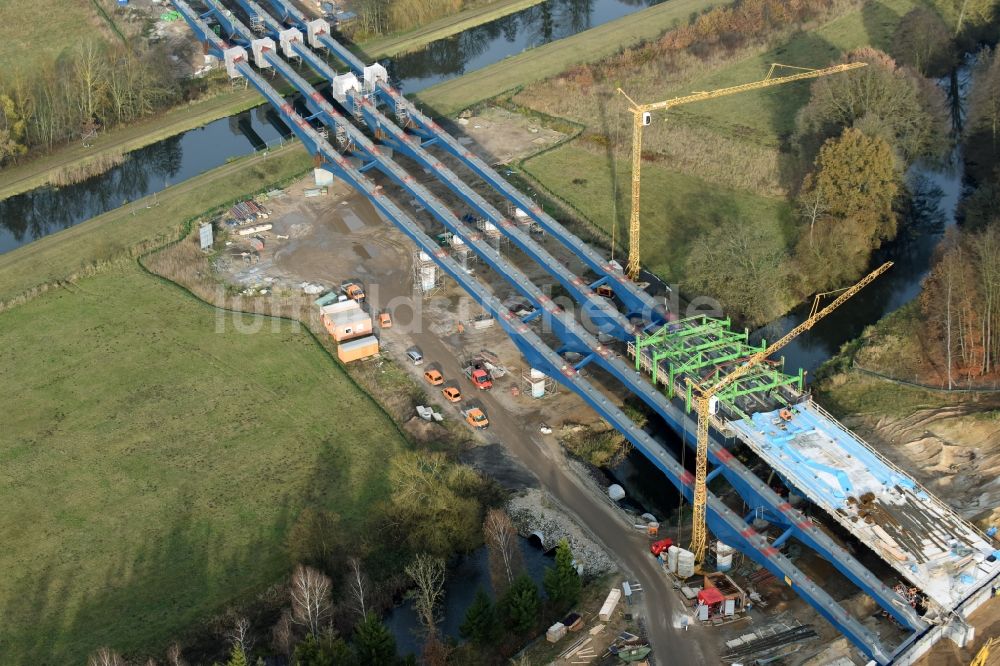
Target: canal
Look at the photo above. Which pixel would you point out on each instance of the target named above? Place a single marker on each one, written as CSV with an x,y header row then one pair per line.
x,y
37,213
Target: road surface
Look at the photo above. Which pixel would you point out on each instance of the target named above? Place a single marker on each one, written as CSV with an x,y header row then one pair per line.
x,y
628,547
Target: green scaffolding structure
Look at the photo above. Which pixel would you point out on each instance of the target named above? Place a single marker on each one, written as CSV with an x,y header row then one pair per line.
x,y
700,348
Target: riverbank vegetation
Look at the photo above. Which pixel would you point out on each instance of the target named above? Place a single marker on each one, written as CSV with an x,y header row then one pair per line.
x,y
950,336
810,176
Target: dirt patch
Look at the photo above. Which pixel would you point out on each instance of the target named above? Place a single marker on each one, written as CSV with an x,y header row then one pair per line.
x,y
954,451
501,136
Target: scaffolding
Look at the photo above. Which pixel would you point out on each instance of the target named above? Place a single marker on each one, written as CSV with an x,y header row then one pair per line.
x,y
498,241
462,253
702,349
537,384
426,276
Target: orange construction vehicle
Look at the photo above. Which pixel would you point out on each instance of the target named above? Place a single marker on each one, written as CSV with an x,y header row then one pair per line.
x,y
475,417
353,291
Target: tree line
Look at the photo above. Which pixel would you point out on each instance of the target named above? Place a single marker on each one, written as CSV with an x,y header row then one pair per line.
x,y
92,85
853,142
960,301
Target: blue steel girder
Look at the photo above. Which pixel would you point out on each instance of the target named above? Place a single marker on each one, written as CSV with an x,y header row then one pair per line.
x,y
636,301
599,311
560,322
757,493
603,315
271,25
311,139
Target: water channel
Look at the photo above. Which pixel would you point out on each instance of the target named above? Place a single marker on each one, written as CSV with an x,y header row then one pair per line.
x,y
32,215
470,573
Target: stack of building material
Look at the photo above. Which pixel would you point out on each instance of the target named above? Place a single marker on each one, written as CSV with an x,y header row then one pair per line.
x,y
609,604
555,632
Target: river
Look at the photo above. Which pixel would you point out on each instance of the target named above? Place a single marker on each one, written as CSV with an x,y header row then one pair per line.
x,y
471,572
937,190
32,215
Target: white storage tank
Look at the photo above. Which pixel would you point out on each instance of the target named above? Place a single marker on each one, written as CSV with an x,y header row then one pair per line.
x,y
537,381
723,556
685,564
672,558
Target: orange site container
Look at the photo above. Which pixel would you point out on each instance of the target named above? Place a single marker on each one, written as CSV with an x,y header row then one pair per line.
x,y
357,349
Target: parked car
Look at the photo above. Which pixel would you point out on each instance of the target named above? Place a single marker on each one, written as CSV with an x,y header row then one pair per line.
x,y
415,355
451,394
433,377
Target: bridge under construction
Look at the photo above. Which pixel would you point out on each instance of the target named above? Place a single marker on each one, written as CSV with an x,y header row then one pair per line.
x,y
361,123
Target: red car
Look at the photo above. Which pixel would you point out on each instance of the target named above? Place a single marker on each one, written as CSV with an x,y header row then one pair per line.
x,y
658,547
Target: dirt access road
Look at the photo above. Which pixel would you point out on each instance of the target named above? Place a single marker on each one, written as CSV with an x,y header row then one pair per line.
x,y
628,546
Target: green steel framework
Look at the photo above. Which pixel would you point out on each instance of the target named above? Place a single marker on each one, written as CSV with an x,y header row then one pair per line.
x,y
691,345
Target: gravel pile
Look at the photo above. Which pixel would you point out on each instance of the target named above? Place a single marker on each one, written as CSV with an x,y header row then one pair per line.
x,y
535,511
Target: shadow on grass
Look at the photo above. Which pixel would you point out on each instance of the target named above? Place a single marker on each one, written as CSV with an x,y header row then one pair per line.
x,y
183,575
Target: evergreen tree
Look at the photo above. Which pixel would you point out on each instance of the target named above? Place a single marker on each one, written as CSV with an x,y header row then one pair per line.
x,y
521,604
373,644
562,582
480,624
326,650
237,657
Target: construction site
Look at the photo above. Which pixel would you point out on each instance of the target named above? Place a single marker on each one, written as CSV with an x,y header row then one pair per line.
x,y
805,543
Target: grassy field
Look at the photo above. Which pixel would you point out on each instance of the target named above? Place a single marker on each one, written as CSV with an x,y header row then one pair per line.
x,y
154,463
768,114
390,45
72,251
452,96
38,31
677,208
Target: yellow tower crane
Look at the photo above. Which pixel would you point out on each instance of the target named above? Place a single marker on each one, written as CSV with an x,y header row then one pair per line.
x,y
705,404
642,116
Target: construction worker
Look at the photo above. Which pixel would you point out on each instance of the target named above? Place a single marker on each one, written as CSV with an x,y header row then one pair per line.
x,y
461,328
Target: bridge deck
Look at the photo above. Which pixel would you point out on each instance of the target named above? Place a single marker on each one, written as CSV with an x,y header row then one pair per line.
x,y
920,536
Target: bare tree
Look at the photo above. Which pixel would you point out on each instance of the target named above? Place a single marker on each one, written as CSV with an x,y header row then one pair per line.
x,y
105,657
240,634
427,573
174,656
282,637
812,204
310,592
358,586
505,555
152,662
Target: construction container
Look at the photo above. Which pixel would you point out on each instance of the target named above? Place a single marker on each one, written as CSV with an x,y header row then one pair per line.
x,y
357,349
347,324
345,305
610,604
555,632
